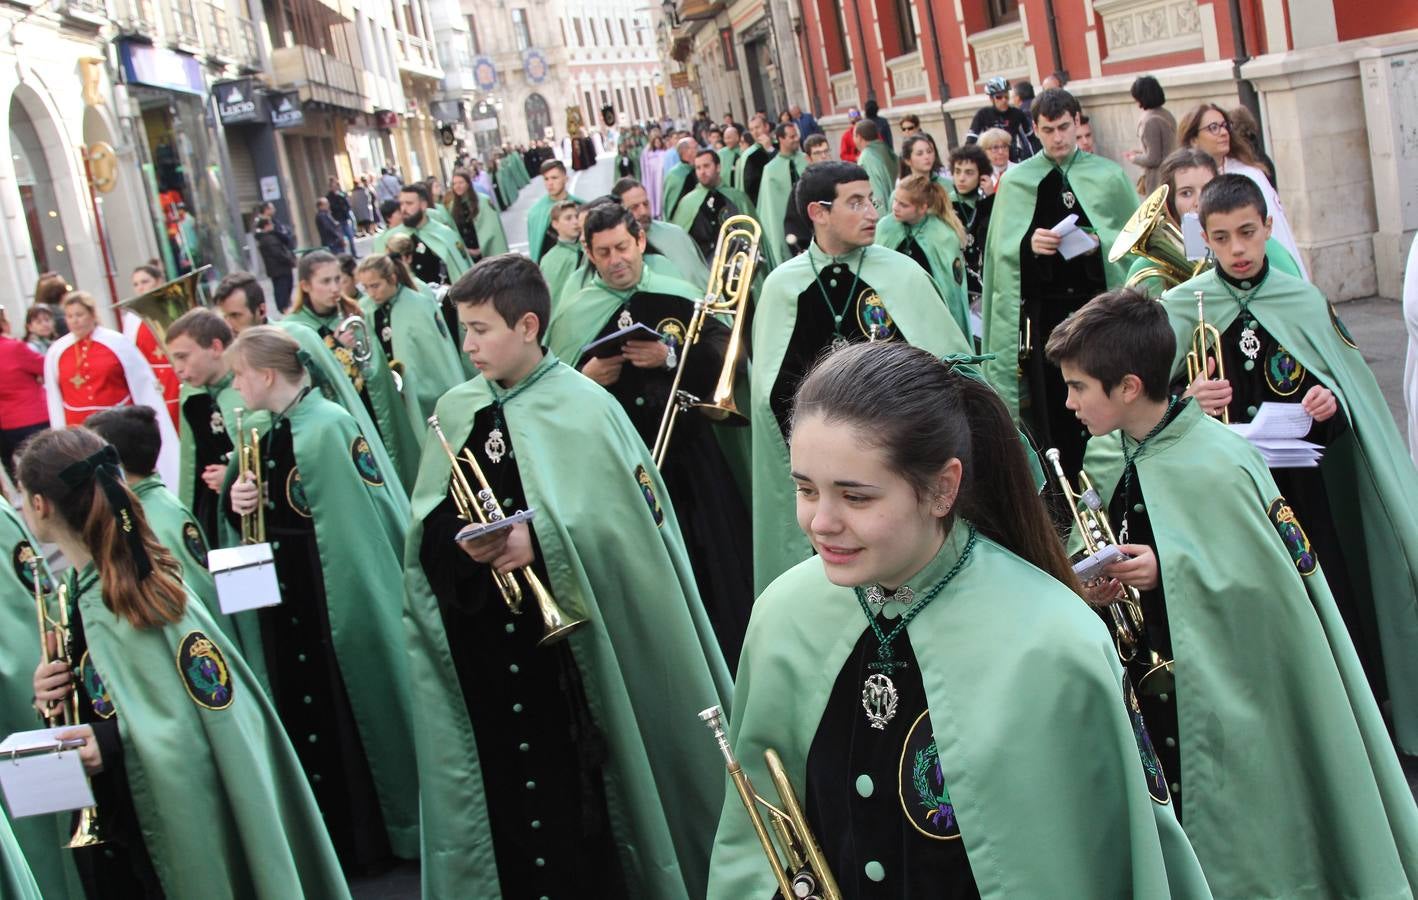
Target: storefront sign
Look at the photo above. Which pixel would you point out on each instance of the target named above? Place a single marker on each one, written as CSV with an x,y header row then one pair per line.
x,y
237,102
484,73
534,65
286,111
270,188
161,68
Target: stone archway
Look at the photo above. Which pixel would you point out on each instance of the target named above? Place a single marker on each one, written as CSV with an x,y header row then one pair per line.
x,y
538,116
40,187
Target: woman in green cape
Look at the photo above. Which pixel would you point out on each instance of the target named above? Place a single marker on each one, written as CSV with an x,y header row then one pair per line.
x,y
950,711
477,223
197,789
923,225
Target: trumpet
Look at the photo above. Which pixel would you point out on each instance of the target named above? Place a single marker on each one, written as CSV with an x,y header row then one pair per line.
x,y
804,873
86,833
482,506
1125,610
730,280
1206,346
248,459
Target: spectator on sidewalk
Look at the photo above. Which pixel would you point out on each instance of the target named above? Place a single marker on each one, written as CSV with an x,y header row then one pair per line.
x,y
279,261
362,206
1085,134
340,210
847,149
1021,96
387,188
999,114
39,327
332,236
22,405
282,230
807,125
1156,133
883,128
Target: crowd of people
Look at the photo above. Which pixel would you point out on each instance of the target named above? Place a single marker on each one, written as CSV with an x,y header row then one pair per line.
x,y
778,427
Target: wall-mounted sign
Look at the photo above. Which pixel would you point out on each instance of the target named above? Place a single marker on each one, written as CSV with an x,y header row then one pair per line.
x,y
726,47
286,111
160,67
679,80
534,66
270,188
238,103
484,73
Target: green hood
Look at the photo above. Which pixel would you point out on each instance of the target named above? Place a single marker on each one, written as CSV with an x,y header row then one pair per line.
x,y
876,158
175,528
674,184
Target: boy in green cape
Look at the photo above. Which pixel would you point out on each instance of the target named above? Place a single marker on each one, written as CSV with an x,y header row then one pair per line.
x,y
841,290
1265,717
704,209
878,160
668,248
560,264
439,255
41,838
540,237
775,192
597,799
679,178
1282,342
699,468
1028,286
968,163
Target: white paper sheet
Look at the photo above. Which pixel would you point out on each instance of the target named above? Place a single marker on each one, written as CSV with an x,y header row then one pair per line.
x,y
1073,241
1277,432
37,780
245,577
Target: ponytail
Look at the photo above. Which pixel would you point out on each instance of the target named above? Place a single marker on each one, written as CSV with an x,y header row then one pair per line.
x,y
390,267
928,192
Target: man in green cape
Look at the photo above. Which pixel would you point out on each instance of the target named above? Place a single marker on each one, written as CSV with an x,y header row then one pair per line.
x,y
338,529
704,209
561,263
669,250
729,154
935,247
877,158
841,290
616,805
748,168
41,838
197,343
705,467
1265,693
679,179
775,193
439,255
1364,535
1028,285
540,237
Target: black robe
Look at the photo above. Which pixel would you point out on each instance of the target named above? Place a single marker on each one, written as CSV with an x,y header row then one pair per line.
x,y
211,446
975,216
707,221
753,172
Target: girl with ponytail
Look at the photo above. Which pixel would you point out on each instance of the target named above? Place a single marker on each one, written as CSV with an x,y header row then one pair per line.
x,y
193,778
923,225
949,710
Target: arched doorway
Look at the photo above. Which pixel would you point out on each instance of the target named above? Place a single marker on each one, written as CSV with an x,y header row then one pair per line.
x,y
538,116
39,191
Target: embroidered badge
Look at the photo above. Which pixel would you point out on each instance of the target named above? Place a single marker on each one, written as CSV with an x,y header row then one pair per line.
x,y
872,317
1283,372
624,320
1296,541
27,563
1338,324
204,671
218,424
196,546
99,699
925,797
672,333
1151,765
957,269
647,488
295,494
364,462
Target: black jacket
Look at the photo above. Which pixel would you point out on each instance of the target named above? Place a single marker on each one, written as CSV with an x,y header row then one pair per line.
x,y
275,255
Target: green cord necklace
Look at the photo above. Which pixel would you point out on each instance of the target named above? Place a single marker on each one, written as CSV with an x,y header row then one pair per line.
x,y
495,447
838,339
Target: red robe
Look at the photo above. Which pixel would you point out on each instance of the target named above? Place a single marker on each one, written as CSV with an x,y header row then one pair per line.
x,y
90,380
162,367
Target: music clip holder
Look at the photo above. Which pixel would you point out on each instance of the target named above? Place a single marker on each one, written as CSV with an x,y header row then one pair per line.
x,y
41,774
245,577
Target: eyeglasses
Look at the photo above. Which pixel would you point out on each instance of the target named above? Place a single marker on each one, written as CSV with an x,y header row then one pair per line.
x,y
1216,128
855,204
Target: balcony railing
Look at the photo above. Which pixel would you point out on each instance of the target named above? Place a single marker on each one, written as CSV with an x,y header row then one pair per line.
x,y
418,56
136,16
218,29
93,12
318,77
248,44
184,24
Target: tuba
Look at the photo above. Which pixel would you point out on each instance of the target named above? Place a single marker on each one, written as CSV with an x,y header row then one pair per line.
x,y
730,281
352,323
248,459
1152,236
164,304
1091,520
482,507
86,833
804,873
1206,346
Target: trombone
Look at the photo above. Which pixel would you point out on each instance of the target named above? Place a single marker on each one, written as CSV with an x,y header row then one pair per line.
x,y
1206,346
86,833
804,873
730,281
248,459
482,506
1126,609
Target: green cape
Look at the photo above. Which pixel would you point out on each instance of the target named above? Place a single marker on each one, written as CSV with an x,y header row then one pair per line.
x,y
17,882
942,247
424,348
914,305
775,192
1368,474
742,161
228,401
40,837
359,532
559,268
603,549
1275,252
220,795
507,186
1109,198
175,528
876,158
539,220
1037,747
442,239
442,216
673,185
688,208
728,164
391,421
487,224
519,171
1274,714
675,244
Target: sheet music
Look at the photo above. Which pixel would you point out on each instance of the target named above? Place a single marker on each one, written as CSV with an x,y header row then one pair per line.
x,y
1277,431
1073,241
36,779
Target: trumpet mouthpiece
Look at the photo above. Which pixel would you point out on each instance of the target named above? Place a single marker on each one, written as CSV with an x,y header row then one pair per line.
x,y
1052,454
